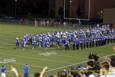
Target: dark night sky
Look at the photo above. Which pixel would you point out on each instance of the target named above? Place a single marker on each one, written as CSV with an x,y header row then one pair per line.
x,y
24,7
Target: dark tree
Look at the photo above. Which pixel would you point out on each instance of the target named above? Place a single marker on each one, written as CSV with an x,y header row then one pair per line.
x,y
79,12
60,12
52,13
24,7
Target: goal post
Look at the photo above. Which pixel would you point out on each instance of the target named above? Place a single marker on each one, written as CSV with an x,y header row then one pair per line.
x,y
78,19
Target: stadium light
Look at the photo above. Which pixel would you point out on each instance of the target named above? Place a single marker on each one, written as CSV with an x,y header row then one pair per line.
x,y
15,7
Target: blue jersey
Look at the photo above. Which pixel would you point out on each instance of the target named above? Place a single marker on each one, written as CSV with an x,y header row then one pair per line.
x,y
65,42
23,43
34,40
26,69
17,40
3,69
77,42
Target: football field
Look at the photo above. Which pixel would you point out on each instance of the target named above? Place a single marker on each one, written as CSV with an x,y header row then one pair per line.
x,y
55,58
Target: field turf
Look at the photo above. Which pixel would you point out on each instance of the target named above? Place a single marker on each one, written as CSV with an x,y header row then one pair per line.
x,y
55,58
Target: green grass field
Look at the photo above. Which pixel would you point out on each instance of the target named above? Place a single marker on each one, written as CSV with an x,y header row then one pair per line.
x,y
39,57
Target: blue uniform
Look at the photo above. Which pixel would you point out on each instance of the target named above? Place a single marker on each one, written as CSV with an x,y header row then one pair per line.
x,y
34,41
66,44
3,69
23,43
26,70
77,43
17,41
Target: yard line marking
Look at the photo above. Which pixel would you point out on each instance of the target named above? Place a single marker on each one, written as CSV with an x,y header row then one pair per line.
x,y
46,59
13,61
74,64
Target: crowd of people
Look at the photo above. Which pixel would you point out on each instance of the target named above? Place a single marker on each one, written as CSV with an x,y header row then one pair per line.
x,y
93,68
77,39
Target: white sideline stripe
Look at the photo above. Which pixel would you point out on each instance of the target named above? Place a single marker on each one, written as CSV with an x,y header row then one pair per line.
x,y
73,64
66,66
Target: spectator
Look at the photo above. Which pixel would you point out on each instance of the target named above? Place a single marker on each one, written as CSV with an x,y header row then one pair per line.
x,y
37,74
104,71
112,69
91,75
69,74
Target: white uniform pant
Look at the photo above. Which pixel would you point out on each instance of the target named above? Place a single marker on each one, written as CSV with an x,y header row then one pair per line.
x,y
3,74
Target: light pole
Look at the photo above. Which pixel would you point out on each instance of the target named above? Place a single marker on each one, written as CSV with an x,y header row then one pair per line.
x,y
15,7
101,14
89,10
70,1
70,7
